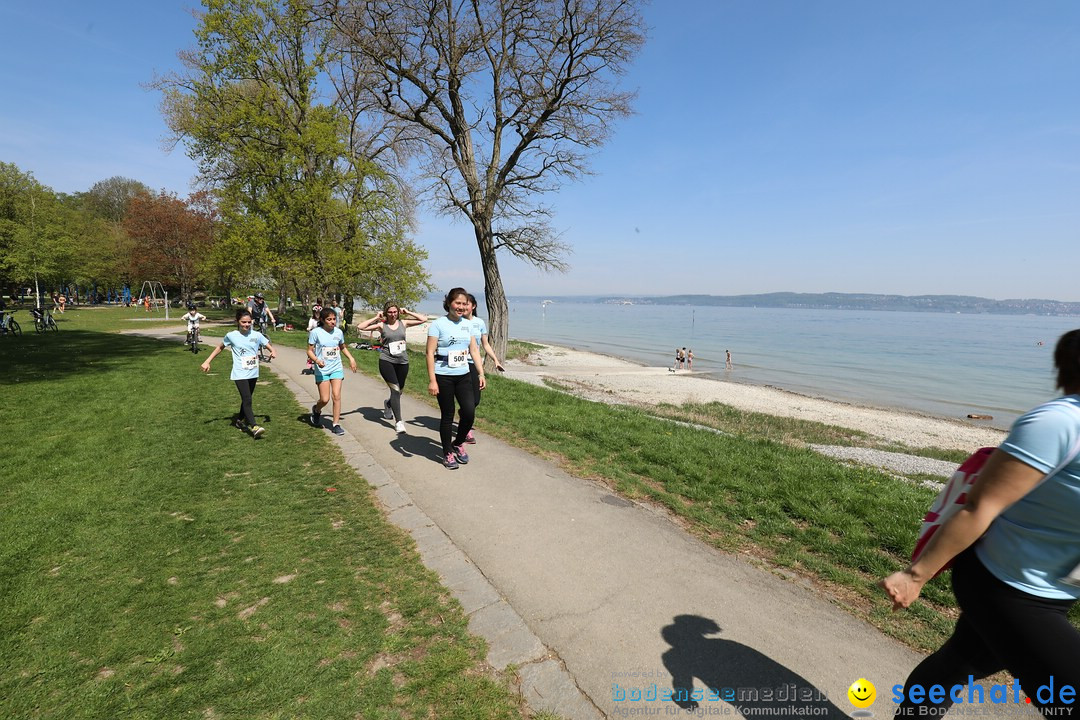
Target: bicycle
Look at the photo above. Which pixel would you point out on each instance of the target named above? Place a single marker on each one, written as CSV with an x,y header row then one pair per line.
x,y
265,328
43,321
9,325
193,339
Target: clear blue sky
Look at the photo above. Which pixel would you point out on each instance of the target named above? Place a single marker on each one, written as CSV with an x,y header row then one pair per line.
x,y
844,145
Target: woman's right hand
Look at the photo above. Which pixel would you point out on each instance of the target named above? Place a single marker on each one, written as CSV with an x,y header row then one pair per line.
x,y
433,388
903,588
205,367
320,362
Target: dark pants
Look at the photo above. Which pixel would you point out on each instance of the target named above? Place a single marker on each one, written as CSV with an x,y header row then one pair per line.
x,y
451,388
474,373
247,389
394,374
1001,628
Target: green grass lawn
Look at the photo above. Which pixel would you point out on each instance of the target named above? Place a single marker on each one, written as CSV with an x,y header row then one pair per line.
x,y
157,563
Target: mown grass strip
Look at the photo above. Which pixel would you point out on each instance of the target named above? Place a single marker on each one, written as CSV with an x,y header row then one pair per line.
x,y
156,562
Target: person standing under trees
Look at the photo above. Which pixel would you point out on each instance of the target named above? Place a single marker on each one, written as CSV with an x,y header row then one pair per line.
x,y
449,345
244,344
1016,545
326,343
480,334
392,323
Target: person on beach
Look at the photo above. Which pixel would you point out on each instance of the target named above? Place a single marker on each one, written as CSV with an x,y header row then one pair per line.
x,y
1016,546
326,343
244,344
480,334
678,360
450,343
727,362
689,359
392,323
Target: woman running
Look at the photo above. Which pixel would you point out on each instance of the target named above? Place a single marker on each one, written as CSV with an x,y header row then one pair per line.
x,y
393,358
325,345
480,334
244,344
449,345
1016,545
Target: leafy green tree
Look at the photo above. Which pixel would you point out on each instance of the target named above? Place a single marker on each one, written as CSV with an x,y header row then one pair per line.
x,y
282,158
36,240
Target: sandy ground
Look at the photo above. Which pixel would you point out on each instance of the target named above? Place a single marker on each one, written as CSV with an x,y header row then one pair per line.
x,y
609,379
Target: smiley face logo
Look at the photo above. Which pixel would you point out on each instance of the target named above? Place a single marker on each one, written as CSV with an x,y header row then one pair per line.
x,y
862,693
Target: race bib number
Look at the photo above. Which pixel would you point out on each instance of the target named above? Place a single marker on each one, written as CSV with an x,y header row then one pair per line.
x,y
457,358
249,362
397,347
330,353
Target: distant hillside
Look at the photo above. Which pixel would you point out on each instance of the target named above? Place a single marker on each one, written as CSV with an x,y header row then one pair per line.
x,y
866,301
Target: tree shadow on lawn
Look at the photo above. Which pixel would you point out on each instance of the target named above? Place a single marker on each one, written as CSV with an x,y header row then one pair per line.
x,y
56,355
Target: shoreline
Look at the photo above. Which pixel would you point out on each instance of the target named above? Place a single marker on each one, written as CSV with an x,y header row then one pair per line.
x,y
613,380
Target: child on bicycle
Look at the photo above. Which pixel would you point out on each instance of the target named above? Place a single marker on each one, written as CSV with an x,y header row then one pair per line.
x,y
193,317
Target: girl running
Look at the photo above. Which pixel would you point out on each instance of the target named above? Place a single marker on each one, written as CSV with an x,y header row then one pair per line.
x,y
393,358
480,334
449,345
244,344
325,345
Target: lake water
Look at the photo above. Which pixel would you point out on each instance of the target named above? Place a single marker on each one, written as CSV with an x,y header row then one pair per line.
x,y
939,364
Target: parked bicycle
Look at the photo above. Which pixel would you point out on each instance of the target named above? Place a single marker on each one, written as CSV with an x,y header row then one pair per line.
x,y
43,320
9,325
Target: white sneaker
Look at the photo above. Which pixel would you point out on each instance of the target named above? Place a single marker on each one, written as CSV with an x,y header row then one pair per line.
x,y
401,427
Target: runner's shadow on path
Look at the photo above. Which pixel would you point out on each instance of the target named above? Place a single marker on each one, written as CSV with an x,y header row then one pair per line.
x,y
726,666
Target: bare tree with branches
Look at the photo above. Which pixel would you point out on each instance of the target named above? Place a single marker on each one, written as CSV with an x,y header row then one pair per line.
x,y
500,101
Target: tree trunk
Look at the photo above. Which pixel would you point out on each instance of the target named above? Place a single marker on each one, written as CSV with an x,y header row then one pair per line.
x,y
494,295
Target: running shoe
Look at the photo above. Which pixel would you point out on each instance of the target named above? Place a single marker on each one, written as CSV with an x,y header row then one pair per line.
x,y
316,416
257,431
338,430
387,412
470,438
462,456
400,427
238,423
451,462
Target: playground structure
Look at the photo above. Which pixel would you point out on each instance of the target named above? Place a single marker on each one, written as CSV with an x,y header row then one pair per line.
x,y
157,293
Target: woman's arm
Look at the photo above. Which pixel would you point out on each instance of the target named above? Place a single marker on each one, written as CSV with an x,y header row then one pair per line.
x,y
313,357
414,318
491,352
478,361
1002,481
429,354
370,323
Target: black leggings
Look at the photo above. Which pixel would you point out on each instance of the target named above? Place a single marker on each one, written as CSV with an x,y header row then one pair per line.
x,y
451,388
1000,628
475,375
394,374
247,389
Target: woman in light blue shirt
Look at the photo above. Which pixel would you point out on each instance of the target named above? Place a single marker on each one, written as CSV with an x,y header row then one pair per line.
x,y
326,343
1017,567
450,344
244,344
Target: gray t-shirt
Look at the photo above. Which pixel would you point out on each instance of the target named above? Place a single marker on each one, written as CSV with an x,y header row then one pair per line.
x,y
393,344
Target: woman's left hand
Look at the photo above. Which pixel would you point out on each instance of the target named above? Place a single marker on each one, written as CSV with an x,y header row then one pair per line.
x,y
352,364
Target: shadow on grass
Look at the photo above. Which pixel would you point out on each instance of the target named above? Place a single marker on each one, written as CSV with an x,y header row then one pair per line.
x,y
752,682
39,358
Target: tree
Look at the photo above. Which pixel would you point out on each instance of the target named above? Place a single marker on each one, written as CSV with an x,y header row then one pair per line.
x,y
280,155
109,199
171,239
502,99
36,242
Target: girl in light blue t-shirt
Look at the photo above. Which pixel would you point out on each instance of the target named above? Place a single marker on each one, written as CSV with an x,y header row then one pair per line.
x,y
326,343
244,344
